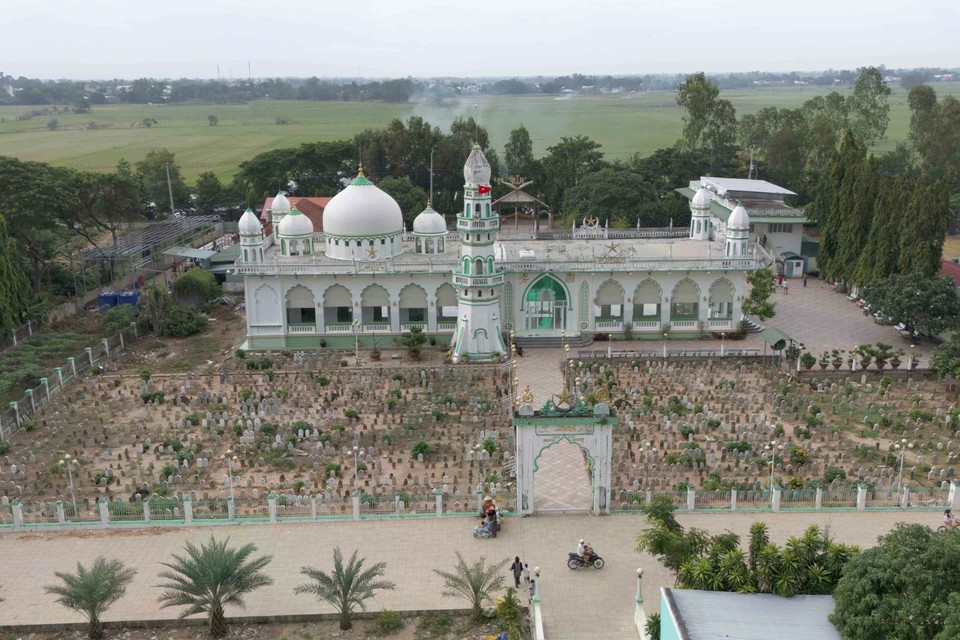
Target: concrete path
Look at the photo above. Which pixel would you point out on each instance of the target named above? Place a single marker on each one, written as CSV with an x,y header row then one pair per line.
x,y
583,604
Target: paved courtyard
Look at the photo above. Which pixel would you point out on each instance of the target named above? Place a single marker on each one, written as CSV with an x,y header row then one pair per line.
x,y
585,604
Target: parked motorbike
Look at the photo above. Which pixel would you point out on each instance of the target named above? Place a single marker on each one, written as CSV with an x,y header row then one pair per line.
x,y
575,562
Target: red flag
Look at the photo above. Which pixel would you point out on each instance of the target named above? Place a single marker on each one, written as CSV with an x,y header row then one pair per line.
x,y
482,189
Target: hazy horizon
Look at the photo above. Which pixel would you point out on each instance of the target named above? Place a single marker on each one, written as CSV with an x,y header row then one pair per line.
x,y
106,39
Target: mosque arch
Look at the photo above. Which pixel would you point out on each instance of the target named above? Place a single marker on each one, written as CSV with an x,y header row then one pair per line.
x,y
720,297
266,306
446,301
685,301
413,304
374,305
300,307
545,305
608,302
337,305
647,298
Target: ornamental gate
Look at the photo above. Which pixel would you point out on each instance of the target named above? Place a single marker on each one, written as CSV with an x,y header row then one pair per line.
x,y
557,425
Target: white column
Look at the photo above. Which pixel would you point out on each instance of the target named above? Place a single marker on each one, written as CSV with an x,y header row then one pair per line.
x,y
231,509
432,313
146,511
691,499
775,504
17,513
905,500
187,510
61,517
272,504
355,499
819,499
313,507
104,512
861,498
438,496
733,500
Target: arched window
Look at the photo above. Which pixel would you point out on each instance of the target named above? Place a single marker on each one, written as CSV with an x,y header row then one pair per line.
x,y
476,209
466,266
488,209
479,266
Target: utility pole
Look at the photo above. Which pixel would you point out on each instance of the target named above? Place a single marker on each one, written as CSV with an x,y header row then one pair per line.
x,y
430,201
173,211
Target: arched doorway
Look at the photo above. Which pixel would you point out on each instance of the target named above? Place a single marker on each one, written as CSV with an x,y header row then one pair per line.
x,y
545,307
564,457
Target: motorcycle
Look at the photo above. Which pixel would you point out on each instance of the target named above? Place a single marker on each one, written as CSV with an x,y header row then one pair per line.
x,y
575,562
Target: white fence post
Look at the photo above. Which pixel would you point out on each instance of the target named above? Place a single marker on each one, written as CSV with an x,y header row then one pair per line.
x,y
89,355
106,348
46,388
104,512
952,496
33,403
819,499
146,511
355,499
17,513
73,368
648,498
733,500
187,510
313,507
691,499
61,517
16,412
861,498
231,509
438,496
775,503
272,504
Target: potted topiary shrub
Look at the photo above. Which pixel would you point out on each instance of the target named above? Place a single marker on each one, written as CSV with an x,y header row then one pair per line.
x,y
413,340
807,360
881,354
895,360
824,361
836,358
865,354
375,352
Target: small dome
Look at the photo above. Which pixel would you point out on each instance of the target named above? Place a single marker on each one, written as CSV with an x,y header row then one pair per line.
x,y
362,210
702,199
739,220
477,169
280,204
249,225
430,222
295,224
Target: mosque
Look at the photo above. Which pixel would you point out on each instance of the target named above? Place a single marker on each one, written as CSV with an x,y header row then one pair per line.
x,y
364,279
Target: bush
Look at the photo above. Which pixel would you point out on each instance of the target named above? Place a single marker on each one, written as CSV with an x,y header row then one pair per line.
x,y
389,622
350,413
194,418
778,430
262,363
740,446
922,414
490,445
321,380
331,468
713,423
183,321
239,354
268,429
116,318
420,447
196,285
686,431
152,396
4,448
168,470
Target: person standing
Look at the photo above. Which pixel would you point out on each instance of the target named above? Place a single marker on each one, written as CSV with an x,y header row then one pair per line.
x,y
804,281
526,573
517,568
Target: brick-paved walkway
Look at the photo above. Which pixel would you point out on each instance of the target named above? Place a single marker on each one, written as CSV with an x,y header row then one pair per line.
x,y
584,604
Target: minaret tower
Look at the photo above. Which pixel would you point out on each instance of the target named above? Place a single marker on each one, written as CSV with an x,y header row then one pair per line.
x,y
700,215
478,335
251,237
738,233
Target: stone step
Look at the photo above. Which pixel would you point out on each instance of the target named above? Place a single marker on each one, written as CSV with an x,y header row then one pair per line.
x,y
554,342
752,326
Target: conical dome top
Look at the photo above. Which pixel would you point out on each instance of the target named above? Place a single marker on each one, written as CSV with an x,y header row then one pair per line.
x,y
249,225
476,170
739,219
280,204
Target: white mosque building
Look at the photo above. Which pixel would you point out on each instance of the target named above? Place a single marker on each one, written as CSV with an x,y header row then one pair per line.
x,y
366,278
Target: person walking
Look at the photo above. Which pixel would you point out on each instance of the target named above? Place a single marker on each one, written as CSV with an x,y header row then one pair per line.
x,y
517,568
804,281
526,573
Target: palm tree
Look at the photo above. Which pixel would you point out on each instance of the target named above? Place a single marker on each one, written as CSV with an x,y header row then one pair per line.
x,y
92,591
209,578
347,587
759,538
473,583
652,626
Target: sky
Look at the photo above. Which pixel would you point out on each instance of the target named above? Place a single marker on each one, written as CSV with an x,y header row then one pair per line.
x,y
94,39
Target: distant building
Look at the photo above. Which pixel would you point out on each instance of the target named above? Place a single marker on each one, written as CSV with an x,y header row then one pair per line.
x,y
687,614
310,207
775,227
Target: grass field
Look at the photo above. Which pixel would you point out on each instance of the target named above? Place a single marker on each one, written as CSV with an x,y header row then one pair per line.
x,y
623,124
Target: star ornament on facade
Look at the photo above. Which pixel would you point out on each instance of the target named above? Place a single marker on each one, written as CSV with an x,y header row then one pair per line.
x,y
371,253
563,400
612,247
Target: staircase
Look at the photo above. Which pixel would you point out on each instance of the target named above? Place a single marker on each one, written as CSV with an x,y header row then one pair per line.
x,y
554,342
752,326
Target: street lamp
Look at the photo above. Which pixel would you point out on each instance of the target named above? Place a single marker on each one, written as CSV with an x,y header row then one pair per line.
x,y
356,340
664,344
723,335
230,459
902,446
773,447
800,347
356,463
478,448
68,463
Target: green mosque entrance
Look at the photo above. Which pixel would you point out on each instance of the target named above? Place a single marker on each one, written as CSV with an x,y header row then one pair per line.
x,y
545,307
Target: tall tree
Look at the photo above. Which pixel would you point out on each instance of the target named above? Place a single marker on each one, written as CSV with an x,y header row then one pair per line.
x,y
347,587
411,198
14,284
856,200
924,227
905,588
881,252
92,591
758,303
615,193
922,303
518,155
107,201
566,163
827,208
869,106
210,578
210,193
152,173
698,95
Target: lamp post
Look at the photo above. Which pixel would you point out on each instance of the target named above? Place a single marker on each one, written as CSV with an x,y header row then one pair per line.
x,y
230,459
664,345
478,448
356,340
902,446
723,335
563,337
68,463
536,591
853,359
910,364
356,463
773,447
639,585
800,347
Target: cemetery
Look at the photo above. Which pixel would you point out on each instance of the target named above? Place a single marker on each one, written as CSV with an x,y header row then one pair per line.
x,y
300,427
716,425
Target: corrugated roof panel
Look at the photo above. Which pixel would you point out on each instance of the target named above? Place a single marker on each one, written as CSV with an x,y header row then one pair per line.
x,y
748,186
712,615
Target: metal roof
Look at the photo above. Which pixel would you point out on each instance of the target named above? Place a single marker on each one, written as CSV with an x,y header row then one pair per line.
x,y
716,615
189,252
777,339
760,211
141,243
724,185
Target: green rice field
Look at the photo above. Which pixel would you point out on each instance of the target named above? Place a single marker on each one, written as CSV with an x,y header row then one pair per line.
x,y
623,124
